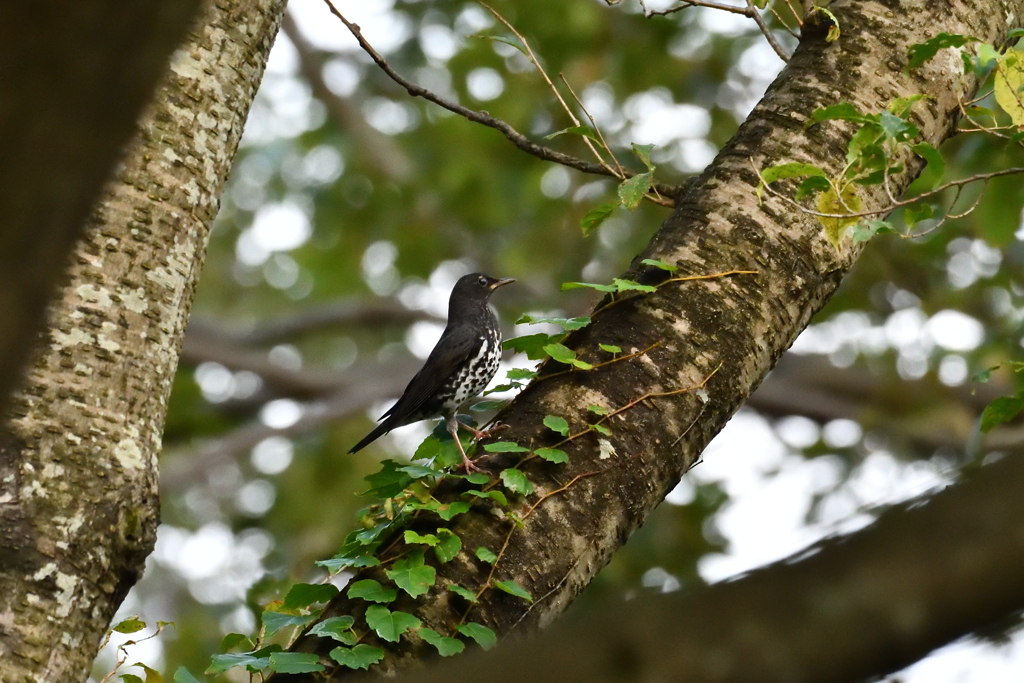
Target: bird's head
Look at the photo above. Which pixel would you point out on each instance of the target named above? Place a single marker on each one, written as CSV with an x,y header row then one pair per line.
x,y
476,287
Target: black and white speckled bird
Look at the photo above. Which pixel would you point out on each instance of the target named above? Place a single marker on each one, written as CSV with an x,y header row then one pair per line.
x,y
459,367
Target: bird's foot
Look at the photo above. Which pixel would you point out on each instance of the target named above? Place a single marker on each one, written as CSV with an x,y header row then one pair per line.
x,y
467,464
484,433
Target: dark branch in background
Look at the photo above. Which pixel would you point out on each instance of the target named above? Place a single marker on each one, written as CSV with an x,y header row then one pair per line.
x,y
183,466
749,11
354,312
378,149
848,609
517,138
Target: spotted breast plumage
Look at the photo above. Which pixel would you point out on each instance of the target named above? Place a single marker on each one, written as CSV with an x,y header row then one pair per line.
x,y
459,367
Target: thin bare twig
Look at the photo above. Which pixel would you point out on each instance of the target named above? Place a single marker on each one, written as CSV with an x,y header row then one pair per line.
x,y
593,123
506,129
532,56
750,11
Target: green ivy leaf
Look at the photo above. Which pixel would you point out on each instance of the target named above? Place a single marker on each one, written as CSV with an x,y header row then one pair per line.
x,y
130,625
1001,410
513,588
922,52
632,190
598,410
420,471
343,561
532,344
590,285
295,662
552,455
463,592
658,263
306,594
233,640
183,675
865,230
595,217
247,660
560,353
610,348
644,152
372,591
521,373
628,285
478,478
484,637
448,546
1009,84
130,678
411,575
426,539
584,131
275,621
936,168
486,555
496,496
516,482
390,625
568,324
916,213
446,646
602,429
505,447
360,657
337,628
557,424
389,481
447,511
815,183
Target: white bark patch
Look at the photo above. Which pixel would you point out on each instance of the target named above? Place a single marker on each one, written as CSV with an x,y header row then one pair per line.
x,y
72,338
51,470
135,300
681,326
607,449
66,585
31,490
6,498
94,295
44,571
128,454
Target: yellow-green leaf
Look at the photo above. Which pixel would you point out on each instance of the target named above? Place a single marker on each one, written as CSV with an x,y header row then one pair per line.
x,y
835,228
1009,85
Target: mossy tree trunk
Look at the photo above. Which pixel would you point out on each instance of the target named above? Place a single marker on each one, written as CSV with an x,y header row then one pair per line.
x,y
78,452
730,329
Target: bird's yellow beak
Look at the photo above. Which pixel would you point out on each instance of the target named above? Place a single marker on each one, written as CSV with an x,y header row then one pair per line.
x,y
502,282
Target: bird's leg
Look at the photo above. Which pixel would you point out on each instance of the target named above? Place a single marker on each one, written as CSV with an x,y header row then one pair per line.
x,y
453,429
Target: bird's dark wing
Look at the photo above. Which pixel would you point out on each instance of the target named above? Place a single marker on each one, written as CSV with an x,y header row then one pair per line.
x,y
455,347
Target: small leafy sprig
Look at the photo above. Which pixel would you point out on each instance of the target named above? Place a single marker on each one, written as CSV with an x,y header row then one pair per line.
x,y
875,150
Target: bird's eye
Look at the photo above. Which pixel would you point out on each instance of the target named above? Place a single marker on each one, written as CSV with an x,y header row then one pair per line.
x,y
482,281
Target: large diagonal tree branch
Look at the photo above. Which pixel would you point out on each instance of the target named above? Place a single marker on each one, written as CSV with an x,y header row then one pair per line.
x,y
740,325
78,456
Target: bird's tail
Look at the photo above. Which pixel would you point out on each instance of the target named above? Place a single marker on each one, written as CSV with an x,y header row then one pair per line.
x,y
378,431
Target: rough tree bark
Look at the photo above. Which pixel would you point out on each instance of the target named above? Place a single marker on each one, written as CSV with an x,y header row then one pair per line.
x,y
739,325
78,455
73,79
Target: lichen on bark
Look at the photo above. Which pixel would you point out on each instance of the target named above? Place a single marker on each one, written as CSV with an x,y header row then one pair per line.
x,y
78,451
